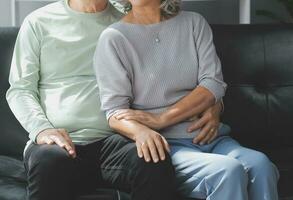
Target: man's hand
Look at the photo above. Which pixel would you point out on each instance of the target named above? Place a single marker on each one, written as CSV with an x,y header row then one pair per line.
x,y
153,121
151,146
209,124
59,137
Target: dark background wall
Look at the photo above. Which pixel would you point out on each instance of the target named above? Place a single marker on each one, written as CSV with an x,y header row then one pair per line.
x,y
219,11
227,11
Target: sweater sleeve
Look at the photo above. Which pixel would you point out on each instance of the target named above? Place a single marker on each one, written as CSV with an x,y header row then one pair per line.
x,y
23,94
210,70
112,75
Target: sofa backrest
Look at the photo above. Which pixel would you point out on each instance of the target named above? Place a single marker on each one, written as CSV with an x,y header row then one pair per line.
x,y
12,135
257,63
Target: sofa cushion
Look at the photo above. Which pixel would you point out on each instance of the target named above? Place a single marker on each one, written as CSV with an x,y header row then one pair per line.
x,y
12,189
105,194
13,136
12,179
12,168
13,183
257,65
285,165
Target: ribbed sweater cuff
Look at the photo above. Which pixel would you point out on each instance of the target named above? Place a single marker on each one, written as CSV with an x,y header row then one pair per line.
x,y
216,88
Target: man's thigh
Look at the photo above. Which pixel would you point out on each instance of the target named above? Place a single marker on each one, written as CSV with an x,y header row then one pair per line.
x,y
118,157
54,165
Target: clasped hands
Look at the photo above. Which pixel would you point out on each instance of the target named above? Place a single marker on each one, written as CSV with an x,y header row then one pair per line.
x,y
151,145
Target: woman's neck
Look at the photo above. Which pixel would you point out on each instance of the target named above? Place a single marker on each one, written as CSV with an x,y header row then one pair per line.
x,y
144,15
88,6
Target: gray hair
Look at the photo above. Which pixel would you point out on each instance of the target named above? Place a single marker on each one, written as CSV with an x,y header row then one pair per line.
x,y
169,8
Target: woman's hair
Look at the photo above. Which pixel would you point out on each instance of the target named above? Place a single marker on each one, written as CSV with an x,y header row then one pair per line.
x,y
169,8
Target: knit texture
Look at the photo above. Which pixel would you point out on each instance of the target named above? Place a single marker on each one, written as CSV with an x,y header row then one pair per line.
x,y
151,67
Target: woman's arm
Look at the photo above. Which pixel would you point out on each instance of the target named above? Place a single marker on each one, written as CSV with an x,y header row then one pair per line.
x,y
150,144
189,107
208,122
211,87
114,81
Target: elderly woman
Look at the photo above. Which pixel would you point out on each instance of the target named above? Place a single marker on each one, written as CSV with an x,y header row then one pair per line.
x,y
157,68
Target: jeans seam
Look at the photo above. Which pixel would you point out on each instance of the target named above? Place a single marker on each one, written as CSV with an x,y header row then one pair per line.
x,y
118,194
113,168
197,178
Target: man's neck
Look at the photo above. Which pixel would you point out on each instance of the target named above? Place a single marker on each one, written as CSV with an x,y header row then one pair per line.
x,y
88,6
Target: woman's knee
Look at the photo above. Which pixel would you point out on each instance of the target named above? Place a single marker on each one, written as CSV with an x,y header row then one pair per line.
x,y
261,165
221,173
233,171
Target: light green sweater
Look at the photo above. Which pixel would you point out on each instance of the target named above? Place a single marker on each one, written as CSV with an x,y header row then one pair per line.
x,y
53,84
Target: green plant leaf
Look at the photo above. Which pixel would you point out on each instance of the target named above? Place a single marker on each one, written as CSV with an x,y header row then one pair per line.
x,y
269,14
289,5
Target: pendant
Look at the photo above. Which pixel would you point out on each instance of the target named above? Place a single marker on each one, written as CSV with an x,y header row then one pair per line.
x,y
157,40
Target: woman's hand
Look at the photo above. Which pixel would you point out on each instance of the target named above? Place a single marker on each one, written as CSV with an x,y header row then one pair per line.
x,y
153,121
151,146
209,124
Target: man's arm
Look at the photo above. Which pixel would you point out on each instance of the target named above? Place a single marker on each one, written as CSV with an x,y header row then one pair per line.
x,y
23,94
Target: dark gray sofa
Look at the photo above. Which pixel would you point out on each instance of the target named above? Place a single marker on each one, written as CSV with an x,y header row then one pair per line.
x,y
258,67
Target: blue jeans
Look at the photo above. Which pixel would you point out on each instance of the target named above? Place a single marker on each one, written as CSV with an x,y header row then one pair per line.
x,y
223,170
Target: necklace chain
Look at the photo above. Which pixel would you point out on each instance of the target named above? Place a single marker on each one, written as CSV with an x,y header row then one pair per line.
x,y
157,33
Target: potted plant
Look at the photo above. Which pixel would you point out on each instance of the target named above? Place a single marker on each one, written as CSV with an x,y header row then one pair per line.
x,y
288,5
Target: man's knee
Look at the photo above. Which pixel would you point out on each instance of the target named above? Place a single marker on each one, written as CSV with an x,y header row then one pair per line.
x,y
157,179
161,171
49,172
47,157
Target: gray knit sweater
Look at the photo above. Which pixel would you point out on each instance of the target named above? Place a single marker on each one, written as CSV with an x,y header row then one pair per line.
x,y
151,67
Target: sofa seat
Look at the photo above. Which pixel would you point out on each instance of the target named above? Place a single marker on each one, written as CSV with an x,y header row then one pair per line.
x,y
13,183
285,166
12,179
257,65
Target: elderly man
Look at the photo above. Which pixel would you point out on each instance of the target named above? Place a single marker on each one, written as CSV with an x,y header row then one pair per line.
x,y
55,97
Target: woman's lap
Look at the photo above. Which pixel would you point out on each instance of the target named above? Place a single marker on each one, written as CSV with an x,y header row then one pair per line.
x,y
222,148
194,163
